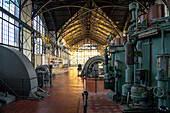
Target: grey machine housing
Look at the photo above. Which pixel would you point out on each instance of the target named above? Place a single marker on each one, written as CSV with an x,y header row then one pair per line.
x,y
17,73
88,67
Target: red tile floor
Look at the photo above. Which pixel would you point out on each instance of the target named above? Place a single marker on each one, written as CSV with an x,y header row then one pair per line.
x,y
66,97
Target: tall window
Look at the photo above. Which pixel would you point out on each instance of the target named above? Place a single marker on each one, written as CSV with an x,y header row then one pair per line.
x,y
9,28
38,25
38,46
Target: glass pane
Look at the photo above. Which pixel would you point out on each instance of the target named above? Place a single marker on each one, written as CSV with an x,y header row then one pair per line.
x,y
6,5
1,3
11,35
16,36
12,8
5,32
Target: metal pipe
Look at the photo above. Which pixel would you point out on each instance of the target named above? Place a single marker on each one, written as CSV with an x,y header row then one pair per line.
x,y
129,73
116,77
129,50
116,86
140,32
162,38
129,31
85,89
136,14
106,59
51,76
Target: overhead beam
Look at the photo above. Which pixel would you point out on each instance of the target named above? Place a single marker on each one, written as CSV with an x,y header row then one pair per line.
x,y
67,32
73,33
88,36
100,39
77,40
84,37
89,10
94,22
75,29
98,34
95,29
55,30
73,37
94,25
97,40
38,10
23,4
76,37
82,26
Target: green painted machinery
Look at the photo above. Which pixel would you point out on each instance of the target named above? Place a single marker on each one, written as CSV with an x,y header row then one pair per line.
x,y
151,62
115,68
138,72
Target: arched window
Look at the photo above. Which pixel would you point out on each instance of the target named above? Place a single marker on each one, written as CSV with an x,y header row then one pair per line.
x,y
9,28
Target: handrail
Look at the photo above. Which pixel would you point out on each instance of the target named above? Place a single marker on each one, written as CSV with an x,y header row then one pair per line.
x,y
85,96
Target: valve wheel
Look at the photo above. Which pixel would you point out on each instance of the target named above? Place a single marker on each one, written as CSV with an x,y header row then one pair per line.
x,y
159,92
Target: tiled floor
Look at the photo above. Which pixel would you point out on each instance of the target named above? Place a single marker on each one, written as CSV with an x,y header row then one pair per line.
x,y
100,103
66,97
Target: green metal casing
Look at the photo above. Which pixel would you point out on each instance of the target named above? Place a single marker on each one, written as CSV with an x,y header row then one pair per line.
x,y
151,47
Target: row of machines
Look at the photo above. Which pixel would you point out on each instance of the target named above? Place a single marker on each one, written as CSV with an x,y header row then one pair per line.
x,y
137,67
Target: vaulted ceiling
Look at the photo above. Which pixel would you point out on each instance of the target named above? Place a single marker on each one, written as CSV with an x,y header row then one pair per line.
x,y
75,20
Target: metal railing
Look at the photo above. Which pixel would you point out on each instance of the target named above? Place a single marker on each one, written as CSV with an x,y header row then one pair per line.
x,y
85,95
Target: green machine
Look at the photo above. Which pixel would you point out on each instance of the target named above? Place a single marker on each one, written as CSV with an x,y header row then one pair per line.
x,y
138,72
115,67
151,77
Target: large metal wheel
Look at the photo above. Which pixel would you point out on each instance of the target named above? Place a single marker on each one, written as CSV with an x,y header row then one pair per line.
x,y
87,70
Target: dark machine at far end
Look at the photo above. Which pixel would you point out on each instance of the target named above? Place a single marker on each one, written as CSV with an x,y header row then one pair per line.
x,y
90,66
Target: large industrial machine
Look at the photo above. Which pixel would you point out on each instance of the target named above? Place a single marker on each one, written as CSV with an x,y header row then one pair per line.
x,y
138,67
18,76
89,68
43,75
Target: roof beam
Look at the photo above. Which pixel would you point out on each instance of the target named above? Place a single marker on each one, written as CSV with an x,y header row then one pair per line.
x,y
84,37
78,35
88,10
93,37
73,33
98,34
95,29
80,26
86,34
38,10
96,23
